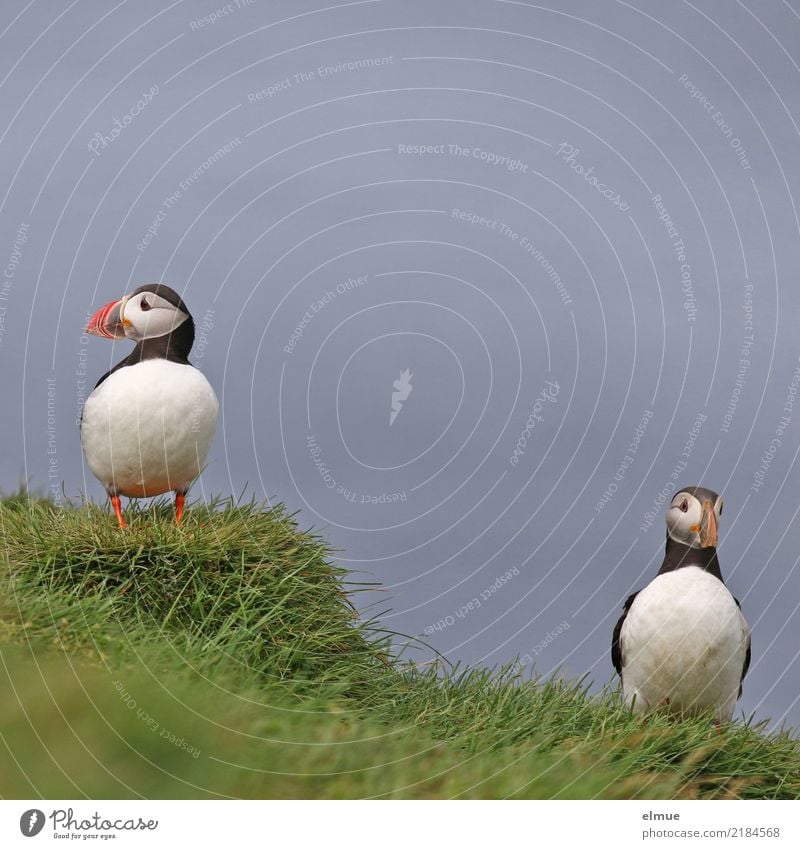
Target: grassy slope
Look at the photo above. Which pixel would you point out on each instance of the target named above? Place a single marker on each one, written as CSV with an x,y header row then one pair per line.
x,y
224,659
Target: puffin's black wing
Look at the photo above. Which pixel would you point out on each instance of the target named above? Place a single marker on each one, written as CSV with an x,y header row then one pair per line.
x,y
746,655
130,360
107,374
616,648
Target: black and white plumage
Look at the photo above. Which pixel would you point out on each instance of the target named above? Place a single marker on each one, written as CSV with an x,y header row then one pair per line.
x,y
682,642
148,424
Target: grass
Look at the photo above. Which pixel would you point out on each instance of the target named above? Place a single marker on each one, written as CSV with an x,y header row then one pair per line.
x,y
225,659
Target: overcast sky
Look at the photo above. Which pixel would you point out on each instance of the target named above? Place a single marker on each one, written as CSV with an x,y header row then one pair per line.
x,y
478,284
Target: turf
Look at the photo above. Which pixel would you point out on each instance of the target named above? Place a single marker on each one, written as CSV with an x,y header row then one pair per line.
x,y
226,658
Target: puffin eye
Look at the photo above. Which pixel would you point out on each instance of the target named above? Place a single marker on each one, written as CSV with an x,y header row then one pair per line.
x,y
144,305
684,505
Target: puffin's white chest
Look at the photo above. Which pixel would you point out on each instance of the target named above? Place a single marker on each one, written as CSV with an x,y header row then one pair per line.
x,y
147,428
683,645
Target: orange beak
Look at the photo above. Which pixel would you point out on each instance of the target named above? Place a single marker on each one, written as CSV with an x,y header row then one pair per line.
x,y
108,321
708,526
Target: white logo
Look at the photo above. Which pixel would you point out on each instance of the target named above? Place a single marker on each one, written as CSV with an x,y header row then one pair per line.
x,y
403,389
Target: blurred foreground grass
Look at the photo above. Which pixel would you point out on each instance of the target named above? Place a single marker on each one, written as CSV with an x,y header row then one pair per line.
x,y
225,659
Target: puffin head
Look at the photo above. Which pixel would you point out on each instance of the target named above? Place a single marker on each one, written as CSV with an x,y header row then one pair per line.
x,y
693,517
149,312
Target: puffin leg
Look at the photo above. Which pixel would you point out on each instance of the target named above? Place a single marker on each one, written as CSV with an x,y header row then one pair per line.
x,y
116,503
180,498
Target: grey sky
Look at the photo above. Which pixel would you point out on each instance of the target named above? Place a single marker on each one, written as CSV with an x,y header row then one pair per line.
x,y
573,225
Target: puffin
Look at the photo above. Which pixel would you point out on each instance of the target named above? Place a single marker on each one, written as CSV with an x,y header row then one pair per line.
x,y
682,643
147,426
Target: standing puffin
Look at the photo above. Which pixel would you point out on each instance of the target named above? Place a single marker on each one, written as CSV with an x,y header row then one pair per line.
x,y
682,642
148,424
